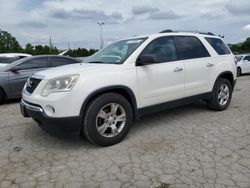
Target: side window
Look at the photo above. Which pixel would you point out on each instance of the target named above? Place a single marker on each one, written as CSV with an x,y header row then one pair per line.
x,y
218,45
36,63
162,50
247,58
189,47
60,61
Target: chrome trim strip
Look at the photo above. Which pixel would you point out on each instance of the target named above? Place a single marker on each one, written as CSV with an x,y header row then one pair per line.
x,y
31,107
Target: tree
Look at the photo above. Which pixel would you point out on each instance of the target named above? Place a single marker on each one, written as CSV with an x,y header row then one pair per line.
x,y
81,52
8,43
242,47
29,49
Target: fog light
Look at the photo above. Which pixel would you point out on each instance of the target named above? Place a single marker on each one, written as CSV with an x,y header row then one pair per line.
x,y
50,110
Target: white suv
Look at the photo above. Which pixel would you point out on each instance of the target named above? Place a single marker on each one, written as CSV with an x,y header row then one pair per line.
x,y
128,79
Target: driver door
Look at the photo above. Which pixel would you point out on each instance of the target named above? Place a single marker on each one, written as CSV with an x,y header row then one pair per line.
x,y
18,78
163,80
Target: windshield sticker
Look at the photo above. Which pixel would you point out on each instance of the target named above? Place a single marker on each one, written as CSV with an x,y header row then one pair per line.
x,y
133,41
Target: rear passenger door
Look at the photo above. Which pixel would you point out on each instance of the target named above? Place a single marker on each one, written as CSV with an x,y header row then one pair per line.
x,y
163,80
197,62
60,61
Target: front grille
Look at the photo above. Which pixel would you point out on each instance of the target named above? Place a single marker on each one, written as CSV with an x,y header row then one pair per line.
x,y
31,84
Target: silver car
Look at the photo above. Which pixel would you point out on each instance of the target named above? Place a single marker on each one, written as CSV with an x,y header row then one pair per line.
x,y
14,75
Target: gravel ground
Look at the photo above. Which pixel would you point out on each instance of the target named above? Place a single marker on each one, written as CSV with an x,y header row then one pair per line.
x,y
189,146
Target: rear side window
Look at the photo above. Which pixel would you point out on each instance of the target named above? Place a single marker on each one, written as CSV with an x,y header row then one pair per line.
x,y
189,47
218,45
59,61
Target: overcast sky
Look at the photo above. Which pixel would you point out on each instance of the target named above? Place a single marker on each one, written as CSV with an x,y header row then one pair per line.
x,y
74,21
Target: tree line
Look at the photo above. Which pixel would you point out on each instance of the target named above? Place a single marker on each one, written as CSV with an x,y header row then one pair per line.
x,y
242,47
9,44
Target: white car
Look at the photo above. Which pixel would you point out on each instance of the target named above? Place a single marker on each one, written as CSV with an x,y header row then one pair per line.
x,y
243,64
7,58
129,79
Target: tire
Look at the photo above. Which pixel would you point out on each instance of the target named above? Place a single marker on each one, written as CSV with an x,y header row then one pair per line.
x,y
238,71
2,96
112,129
220,100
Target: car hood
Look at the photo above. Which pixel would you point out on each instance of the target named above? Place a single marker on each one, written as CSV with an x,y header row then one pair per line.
x,y
72,69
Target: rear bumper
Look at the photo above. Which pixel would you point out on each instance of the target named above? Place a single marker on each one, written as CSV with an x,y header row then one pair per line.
x,y
55,126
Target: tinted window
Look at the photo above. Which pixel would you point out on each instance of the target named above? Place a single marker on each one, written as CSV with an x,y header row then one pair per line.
x,y
59,61
247,58
34,63
190,47
218,45
162,49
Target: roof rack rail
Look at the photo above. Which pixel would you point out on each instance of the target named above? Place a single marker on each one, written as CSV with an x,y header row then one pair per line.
x,y
207,33
171,31
166,31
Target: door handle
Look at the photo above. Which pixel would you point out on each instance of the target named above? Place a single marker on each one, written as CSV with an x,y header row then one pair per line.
x,y
178,69
210,65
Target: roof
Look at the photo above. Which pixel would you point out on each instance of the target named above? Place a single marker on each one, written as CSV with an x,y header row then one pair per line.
x,y
13,54
171,33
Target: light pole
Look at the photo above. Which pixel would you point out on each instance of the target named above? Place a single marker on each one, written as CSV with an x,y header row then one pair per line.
x,y
101,39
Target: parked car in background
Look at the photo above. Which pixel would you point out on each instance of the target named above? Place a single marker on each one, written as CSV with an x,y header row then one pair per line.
x,y
128,79
243,64
81,58
14,75
7,58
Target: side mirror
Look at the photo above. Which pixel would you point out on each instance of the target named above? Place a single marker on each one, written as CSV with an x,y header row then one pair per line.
x,y
145,60
245,61
15,69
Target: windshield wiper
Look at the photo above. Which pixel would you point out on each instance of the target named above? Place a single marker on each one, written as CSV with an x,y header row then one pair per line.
x,y
96,62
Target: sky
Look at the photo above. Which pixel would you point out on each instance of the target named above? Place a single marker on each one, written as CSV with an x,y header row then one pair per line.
x,y
74,22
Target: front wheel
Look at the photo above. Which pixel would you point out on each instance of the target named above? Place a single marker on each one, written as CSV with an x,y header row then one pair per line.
x,y
107,119
2,97
221,95
238,71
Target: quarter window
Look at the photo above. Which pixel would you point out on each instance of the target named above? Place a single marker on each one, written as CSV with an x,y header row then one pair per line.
x,y
218,45
162,50
189,47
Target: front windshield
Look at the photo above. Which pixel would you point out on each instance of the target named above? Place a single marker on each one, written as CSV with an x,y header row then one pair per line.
x,y
116,53
8,60
238,58
10,65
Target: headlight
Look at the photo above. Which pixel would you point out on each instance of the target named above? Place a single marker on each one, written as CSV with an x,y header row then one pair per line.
x,y
60,84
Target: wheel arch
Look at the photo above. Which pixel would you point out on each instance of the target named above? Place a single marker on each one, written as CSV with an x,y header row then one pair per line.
x,y
120,89
227,75
5,94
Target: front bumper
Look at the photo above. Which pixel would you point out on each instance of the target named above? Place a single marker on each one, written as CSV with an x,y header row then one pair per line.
x,y
56,126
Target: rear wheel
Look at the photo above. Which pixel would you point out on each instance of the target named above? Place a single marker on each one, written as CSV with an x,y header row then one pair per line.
x,y
2,96
238,71
107,119
221,95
